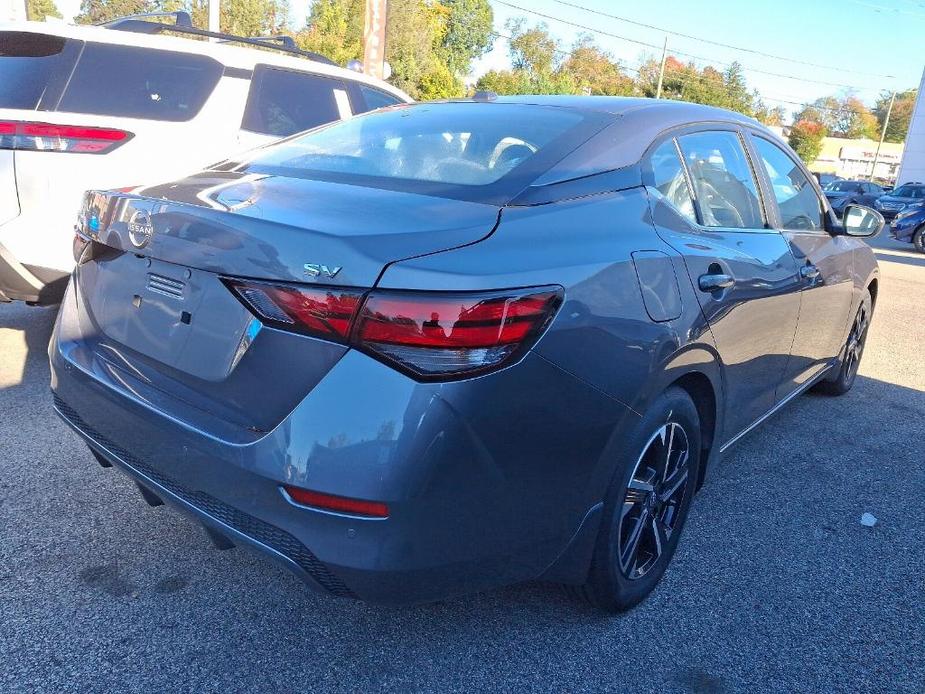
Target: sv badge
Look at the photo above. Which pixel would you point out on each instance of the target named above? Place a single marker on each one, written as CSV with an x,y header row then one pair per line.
x,y
317,270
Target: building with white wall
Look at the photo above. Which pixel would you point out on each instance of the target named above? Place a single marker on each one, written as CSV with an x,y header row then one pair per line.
x,y
913,163
12,10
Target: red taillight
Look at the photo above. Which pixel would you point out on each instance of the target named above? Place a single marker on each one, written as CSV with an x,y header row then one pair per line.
x,y
320,311
436,335
49,137
340,504
431,335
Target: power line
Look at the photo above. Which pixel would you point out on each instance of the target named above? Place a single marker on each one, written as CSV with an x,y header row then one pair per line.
x,y
687,55
717,43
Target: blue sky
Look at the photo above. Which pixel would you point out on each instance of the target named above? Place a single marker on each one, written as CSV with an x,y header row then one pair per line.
x,y
875,37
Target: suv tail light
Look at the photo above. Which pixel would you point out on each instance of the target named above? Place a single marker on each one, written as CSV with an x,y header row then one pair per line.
x,y
430,335
48,137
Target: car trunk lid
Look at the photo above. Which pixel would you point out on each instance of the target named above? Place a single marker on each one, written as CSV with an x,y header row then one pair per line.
x,y
153,280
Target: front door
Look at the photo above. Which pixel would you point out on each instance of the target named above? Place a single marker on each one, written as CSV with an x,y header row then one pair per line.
x,y
825,263
743,273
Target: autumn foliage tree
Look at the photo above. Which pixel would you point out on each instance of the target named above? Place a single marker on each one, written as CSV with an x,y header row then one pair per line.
x,y
806,139
38,10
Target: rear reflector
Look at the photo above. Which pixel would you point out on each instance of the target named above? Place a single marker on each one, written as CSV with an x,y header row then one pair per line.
x,y
341,504
49,137
430,335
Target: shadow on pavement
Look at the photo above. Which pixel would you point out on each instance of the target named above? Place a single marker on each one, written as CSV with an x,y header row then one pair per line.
x,y
916,261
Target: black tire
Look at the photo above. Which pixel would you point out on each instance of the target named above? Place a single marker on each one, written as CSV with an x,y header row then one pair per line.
x,y
847,369
918,239
620,578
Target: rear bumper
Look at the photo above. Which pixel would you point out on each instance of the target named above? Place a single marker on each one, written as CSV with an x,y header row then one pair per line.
x,y
20,282
482,490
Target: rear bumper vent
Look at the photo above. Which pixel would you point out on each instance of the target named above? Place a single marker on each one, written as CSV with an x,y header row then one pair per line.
x,y
166,285
244,523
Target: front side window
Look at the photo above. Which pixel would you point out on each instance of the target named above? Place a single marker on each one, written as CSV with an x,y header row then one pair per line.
x,y
285,102
668,176
797,201
723,181
140,83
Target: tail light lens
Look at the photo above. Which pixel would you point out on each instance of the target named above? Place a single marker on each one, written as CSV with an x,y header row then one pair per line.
x,y
430,335
434,335
48,137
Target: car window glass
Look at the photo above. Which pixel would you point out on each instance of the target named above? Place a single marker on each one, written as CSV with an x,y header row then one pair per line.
x,y
376,98
668,176
454,144
797,201
140,83
285,102
27,62
909,192
723,181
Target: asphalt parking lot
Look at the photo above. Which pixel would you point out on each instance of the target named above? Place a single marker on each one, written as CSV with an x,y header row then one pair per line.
x,y
776,585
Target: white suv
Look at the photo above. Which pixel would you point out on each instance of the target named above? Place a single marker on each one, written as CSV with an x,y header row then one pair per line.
x,y
124,105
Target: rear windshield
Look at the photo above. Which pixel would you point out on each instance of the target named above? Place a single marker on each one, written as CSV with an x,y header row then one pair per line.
x,y
27,63
452,149
140,83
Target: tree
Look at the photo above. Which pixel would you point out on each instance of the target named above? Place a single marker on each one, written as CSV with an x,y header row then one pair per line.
x,y
595,71
900,116
242,17
415,31
335,29
767,114
38,10
468,33
737,96
806,139
536,69
99,11
842,116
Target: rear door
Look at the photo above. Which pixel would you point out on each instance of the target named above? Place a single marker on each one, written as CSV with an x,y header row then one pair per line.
x,y
283,102
743,272
825,263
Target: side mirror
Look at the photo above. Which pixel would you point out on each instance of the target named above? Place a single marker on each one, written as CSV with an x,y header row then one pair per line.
x,y
862,221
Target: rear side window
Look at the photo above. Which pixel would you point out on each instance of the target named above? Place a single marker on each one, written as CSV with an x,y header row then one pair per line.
x,y
797,201
28,63
376,98
723,181
140,83
285,102
669,179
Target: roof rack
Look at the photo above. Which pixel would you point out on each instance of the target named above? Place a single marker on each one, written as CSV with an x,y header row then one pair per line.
x,y
183,24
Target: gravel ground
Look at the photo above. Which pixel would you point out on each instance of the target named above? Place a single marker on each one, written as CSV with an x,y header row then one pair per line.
x,y
776,585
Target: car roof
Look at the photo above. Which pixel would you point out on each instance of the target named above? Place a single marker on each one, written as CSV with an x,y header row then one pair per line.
x,y
230,55
664,109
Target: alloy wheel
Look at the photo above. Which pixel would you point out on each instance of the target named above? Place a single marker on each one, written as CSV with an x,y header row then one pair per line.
x,y
856,338
653,499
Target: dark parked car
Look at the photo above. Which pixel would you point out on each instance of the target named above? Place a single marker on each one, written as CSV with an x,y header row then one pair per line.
x,y
909,226
445,347
843,193
895,201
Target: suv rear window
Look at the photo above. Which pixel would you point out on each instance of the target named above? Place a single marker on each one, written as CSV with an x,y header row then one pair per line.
x,y
28,62
133,82
440,149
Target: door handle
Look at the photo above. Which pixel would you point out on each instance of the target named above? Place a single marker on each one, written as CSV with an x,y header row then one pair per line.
x,y
809,272
715,282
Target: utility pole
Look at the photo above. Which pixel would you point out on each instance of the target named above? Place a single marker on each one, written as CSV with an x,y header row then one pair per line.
x,y
886,124
374,38
215,23
661,71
